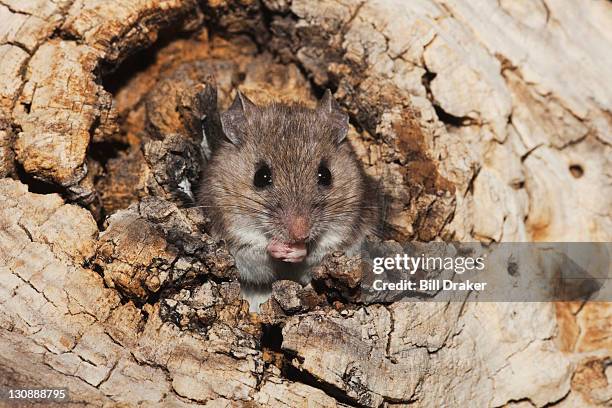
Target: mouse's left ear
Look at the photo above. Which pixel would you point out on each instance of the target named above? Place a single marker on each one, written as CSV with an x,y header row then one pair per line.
x,y
329,109
234,121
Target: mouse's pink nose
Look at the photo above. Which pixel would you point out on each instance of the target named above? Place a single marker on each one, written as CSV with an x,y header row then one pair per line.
x,y
299,229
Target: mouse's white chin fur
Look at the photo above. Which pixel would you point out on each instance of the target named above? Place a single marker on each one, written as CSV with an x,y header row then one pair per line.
x,y
256,241
258,270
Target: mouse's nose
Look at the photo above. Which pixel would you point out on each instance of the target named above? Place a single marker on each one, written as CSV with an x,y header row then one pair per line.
x,y
299,229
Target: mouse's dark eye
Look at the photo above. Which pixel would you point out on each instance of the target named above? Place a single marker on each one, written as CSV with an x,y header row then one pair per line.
x,y
325,176
262,177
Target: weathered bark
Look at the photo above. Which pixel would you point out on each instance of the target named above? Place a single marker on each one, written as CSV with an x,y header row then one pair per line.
x,y
483,120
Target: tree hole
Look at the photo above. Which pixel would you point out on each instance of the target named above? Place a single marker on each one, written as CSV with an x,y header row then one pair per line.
x,y
576,170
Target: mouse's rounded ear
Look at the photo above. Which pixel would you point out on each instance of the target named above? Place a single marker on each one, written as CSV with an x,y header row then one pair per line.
x,y
333,114
235,120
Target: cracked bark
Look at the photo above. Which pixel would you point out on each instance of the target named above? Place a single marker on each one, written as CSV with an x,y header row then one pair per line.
x,y
473,131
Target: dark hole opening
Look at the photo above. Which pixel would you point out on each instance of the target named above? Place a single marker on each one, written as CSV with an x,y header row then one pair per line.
x,y
295,374
272,337
102,152
576,170
427,78
449,119
26,106
36,185
116,75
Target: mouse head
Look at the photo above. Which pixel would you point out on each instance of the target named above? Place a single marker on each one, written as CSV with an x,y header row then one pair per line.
x,y
285,179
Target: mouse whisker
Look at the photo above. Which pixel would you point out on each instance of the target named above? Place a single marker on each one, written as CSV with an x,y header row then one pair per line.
x,y
224,191
244,208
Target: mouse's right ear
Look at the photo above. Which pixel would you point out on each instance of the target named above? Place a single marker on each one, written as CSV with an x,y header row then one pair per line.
x,y
234,121
331,112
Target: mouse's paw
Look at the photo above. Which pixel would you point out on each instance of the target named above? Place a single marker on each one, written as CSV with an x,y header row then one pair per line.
x,y
287,252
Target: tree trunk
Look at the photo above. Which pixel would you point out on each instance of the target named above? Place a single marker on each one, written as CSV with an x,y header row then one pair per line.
x,y
483,120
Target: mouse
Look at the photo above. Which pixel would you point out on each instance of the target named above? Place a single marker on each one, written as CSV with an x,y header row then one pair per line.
x,y
282,187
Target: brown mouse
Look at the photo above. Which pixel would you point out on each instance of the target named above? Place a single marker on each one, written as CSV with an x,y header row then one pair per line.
x,y
283,187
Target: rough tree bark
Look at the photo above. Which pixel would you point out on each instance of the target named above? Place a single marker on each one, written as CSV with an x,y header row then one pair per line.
x,y
483,120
